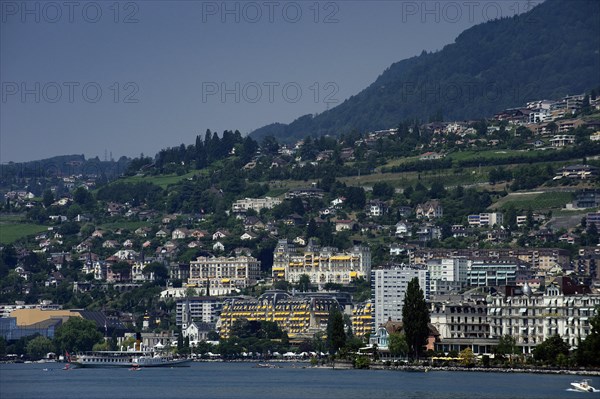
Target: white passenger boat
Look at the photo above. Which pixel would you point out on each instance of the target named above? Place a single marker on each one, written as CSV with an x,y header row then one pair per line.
x,y
107,359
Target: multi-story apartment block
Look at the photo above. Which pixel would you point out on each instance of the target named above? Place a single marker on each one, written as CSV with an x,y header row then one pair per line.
x,y
451,269
205,309
388,289
447,274
567,125
587,199
582,172
539,115
562,140
569,104
362,319
224,275
179,271
300,317
541,259
588,262
593,218
322,264
486,219
459,318
255,204
444,287
492,272
540,104
475,322
574,102
531,319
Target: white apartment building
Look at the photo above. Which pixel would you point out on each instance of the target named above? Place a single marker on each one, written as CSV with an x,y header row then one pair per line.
x,y
539,115
486,219
531,319
322,264
222,274
205,309
562,140
478,322
255,204
447,274
449,269
388,288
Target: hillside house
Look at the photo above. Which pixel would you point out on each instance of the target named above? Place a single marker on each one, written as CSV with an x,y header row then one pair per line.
x,y
429,210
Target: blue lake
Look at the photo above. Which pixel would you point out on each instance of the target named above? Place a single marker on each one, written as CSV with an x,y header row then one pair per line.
x,y
242,380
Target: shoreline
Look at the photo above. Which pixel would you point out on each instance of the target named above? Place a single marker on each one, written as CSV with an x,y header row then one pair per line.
x,y
344,365
425,369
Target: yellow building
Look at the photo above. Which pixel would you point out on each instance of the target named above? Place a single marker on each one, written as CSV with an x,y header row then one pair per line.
x,y
224,275
362,319
27,317
321,264
300,317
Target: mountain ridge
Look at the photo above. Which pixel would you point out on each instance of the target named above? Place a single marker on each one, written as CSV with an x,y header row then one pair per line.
x,y
548,52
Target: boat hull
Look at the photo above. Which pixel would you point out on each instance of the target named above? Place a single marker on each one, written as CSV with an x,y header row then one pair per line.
x,y
582,387
166,363
116,359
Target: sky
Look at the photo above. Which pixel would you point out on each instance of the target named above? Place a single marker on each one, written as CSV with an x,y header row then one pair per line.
x,y
130,77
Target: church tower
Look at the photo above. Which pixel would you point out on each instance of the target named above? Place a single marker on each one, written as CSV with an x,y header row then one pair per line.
x,y
186,315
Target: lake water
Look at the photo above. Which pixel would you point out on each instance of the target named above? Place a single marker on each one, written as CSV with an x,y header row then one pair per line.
x,y
242,380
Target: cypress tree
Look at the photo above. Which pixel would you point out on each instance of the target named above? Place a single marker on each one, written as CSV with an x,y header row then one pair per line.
x,y
336,336
415,316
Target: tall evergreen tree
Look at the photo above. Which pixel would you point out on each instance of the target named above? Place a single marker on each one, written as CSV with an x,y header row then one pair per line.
x,y
311,229
48,198
415,316
336,336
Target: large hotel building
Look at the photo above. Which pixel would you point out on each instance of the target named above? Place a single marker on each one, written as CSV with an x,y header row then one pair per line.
x,y
300,317
224,275
322,264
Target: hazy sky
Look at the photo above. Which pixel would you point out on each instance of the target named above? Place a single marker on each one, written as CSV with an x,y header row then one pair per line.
x,y
125,77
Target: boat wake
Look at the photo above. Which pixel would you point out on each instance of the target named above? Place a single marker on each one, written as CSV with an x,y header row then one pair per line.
x,y
577,390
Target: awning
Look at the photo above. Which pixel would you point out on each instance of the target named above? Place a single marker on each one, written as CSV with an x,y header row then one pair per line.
x,y
523,310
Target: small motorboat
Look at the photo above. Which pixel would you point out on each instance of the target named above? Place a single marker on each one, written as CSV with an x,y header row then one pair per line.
x,y
583,386
267,366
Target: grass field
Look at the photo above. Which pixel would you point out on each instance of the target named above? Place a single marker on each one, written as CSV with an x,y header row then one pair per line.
x,y
491,154
535,200
162,181
12,218
11,232
465,177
